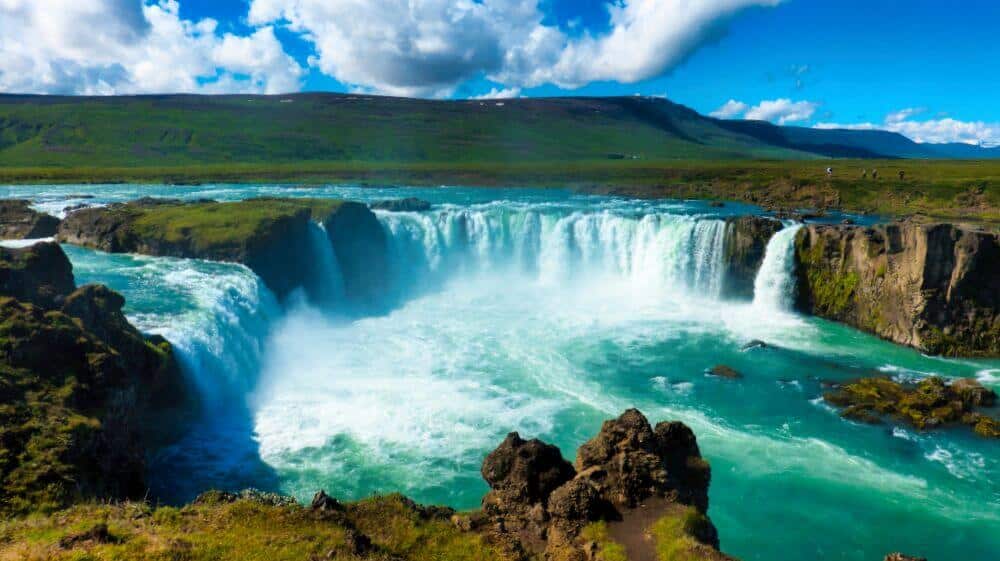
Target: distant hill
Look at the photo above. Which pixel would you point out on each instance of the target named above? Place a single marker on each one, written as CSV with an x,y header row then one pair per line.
x,y
167,130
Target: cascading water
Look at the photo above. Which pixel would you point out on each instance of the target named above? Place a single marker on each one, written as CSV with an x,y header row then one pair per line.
x,y
548,313
774,286
658,251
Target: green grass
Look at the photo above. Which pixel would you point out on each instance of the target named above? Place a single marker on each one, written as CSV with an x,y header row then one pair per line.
x,y
214,225
244,530
673,536
608,549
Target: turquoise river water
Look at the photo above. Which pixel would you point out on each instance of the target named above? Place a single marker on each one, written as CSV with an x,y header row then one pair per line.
x,y
547,312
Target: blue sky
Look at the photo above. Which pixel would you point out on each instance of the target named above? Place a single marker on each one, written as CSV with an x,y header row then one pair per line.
x,y
921,67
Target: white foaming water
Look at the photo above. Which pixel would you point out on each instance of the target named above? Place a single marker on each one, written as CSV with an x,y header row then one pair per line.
x,y
660,251
774,286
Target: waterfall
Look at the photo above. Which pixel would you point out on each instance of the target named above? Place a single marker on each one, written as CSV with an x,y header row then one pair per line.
x,y
657,251
774,287
325,287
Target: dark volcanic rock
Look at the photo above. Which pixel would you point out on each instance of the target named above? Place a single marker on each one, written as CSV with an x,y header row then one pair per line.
x,y
540,504
409,204
362,251
525,471
19,221
40,274
323,502
930,286
746,242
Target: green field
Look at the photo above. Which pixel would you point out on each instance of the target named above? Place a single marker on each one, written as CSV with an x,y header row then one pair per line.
x,y
638,146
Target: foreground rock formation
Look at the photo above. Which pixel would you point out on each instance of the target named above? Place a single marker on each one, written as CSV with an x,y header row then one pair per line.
x,y
934,287
275,237
627,482
19,221
78,386
930,403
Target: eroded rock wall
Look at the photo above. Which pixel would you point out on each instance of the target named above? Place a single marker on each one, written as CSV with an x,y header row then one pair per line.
x,y
935,287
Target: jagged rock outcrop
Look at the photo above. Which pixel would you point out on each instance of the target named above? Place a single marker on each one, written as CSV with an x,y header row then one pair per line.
x,y
929,403
539,504
19,221
271,236
930,286
903,557
746,243
78,384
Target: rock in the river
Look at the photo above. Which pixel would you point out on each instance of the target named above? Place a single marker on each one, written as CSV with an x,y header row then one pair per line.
x,y
902,557
930,286
723,371
929,403
19,221
409,204
746,242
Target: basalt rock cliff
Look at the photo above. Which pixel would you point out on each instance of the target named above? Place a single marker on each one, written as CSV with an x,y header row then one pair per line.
x,y
275,238
79,386
745,246
934,287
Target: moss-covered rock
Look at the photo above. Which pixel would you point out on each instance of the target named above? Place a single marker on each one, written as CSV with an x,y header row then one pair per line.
x,y
19,221
927,404
930,286
77,382
271,236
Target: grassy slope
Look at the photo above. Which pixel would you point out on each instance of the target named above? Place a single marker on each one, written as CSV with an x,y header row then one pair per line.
x,y
186,130
245,530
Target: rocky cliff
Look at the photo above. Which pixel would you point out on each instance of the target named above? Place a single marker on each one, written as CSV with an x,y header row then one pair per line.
x,y
930,286
271,236
19,221
78,384
746,244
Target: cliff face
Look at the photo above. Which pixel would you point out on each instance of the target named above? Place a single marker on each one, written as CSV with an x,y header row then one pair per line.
x,y
77,384
746,243
934,287
19,221
271,236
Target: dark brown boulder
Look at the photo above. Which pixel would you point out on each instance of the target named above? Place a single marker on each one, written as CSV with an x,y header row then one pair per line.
x,y
526,471
19,221
746,243
723,371
40,274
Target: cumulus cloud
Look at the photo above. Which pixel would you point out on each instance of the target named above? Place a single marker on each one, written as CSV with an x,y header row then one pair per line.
x,y
730,109
934,131
128,46
782,111
427,47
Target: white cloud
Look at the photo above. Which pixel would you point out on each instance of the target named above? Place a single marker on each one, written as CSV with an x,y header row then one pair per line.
x,y
782,111
427,47
494,93
730,110
931,130
127,46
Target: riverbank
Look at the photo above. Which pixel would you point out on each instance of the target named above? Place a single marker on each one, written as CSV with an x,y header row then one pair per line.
x,y
957,190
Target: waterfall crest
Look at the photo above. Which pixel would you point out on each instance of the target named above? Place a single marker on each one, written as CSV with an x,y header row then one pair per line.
x,y
658,251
